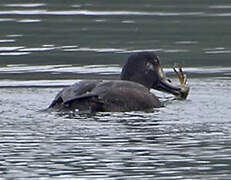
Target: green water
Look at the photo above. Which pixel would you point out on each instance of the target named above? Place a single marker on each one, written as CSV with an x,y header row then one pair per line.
x,y
53,43
193,33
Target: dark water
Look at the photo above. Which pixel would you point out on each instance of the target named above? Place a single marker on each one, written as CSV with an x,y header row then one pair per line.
x,y
46,45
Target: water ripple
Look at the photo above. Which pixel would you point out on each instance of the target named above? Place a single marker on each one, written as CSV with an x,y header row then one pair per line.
x,y
6,41
10,48
109,13
29,20
14,53
101,50
6,19
21,50
98,13
220,7
217,50
107,146
26,5
184,140
186,42
14,35
112,69
36,49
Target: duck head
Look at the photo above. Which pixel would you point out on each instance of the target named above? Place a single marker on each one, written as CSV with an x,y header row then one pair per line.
x,y
145,68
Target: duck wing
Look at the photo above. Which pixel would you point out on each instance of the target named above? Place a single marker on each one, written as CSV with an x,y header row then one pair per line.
x,y
78,91
105,95
121,95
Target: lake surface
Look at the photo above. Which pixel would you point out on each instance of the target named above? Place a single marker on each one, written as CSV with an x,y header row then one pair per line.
x,y
45,46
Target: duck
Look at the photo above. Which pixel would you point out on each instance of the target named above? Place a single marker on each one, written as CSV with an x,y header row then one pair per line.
x,y
141,73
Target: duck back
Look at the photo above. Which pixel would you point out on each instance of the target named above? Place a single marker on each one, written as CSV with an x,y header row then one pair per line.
x,y
105,95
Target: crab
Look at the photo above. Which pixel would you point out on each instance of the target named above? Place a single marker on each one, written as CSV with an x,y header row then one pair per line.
x,y
183,82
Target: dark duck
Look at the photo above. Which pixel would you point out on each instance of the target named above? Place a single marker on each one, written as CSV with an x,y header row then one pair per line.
x,y
141,73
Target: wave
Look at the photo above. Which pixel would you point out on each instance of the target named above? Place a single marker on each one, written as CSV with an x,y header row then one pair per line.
x,y
98,13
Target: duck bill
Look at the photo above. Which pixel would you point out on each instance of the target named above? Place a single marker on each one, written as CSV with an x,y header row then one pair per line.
x,y
165,86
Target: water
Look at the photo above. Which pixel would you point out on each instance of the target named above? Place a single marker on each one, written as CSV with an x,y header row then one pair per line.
x,y
47,45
